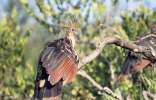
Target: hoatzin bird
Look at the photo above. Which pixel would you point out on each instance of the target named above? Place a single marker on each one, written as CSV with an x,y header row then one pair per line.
x,y
135,62
58,62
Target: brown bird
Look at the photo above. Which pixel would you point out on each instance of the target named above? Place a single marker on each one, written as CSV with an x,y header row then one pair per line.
x,y
58,62
135,62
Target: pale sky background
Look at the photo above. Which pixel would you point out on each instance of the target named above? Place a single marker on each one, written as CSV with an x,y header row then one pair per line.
x,y
122,6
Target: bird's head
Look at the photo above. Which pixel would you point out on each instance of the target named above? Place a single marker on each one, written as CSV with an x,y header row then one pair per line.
x,y
71,25
153,28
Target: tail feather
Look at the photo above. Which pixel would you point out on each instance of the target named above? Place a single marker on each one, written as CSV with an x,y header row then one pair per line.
x,y
53,91
48,91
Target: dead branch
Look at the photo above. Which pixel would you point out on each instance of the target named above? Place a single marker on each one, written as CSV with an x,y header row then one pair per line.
x,y
101,89
148,96
117,41
107,41
112,71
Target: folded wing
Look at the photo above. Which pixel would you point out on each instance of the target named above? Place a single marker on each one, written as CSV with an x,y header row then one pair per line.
x,y
59,64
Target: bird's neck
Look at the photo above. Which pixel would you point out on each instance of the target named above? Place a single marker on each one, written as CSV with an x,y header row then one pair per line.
x,y
71,37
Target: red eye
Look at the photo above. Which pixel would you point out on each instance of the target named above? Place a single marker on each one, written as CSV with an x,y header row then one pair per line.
x,y
72,30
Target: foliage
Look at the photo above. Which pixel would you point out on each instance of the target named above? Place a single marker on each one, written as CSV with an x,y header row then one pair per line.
x,y
15,80
27,25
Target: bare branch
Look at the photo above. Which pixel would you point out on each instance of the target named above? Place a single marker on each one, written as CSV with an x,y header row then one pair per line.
x,y
101,89
148,96
117,41
111,70
106,41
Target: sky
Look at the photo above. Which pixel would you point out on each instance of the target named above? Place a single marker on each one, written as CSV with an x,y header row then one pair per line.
x,y
123,5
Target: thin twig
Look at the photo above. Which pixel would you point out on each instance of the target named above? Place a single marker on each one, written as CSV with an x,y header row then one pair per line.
x,y
148,96
101,89
111,70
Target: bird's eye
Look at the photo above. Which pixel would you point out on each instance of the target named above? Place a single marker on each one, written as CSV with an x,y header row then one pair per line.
x,y
72,29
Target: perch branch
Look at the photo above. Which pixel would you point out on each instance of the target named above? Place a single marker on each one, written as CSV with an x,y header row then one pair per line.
x,y
101,89
113,40
106,41
148,96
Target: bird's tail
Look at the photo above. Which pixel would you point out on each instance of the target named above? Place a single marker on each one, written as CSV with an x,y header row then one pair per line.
x,y
130,61
48,91
43,87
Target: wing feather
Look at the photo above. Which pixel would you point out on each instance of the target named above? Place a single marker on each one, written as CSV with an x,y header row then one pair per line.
x,y
59,64
66,71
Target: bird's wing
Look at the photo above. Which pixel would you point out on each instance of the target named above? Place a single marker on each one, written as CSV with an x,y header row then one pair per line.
x,y
59,64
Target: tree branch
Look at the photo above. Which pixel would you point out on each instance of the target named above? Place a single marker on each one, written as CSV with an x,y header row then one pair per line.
x,y
106,41
148,96
101,89
112,71
118,42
